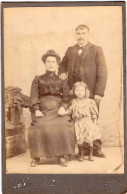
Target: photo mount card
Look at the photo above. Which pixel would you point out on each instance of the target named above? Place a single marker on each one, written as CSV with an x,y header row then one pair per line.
x,y
29,32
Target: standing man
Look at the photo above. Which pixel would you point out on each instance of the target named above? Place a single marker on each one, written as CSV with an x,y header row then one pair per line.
x,y
85,62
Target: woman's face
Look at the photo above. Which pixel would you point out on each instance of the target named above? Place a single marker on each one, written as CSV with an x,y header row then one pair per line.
x,y
51,63
80,91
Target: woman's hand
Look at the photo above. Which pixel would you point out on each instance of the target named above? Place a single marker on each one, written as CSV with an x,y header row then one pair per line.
x,y
61,111
39,113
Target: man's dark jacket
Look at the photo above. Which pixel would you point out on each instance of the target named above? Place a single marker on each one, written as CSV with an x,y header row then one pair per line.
x,y
93,70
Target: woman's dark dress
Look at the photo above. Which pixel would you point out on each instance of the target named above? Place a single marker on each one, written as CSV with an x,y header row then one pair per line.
x,y
51,135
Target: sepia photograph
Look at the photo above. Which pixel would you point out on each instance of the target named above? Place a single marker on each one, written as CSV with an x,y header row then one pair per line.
x,y
63,97
63,89
63,81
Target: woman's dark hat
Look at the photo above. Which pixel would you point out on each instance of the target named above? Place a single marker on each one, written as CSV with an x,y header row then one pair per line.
x,y
51,53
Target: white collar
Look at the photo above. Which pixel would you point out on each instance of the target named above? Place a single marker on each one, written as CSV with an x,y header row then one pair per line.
x,y
83,45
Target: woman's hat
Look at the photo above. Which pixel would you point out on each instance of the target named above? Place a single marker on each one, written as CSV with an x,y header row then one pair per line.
x,y
51,53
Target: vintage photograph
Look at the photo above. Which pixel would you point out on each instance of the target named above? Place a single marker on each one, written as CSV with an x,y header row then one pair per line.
x,y
63,89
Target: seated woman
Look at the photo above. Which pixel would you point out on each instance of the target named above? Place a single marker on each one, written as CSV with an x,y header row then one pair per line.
x,y
50,135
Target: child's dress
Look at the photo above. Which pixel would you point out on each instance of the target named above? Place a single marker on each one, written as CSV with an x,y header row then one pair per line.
x,y
83,112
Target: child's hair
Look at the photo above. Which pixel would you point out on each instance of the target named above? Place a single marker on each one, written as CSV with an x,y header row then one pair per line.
x,y
87,93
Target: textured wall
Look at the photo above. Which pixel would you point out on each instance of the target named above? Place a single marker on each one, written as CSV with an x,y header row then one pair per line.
x,y
30,32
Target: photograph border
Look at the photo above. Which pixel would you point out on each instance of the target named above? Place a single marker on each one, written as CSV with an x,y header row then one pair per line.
x,y
64,183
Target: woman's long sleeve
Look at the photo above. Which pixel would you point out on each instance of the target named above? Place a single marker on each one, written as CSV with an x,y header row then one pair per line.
x,y
34,95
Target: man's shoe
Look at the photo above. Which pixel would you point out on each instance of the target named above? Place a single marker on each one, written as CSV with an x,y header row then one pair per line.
x,y
99,153
62,162
34,163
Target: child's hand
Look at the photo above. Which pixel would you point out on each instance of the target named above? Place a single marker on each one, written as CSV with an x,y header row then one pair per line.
x,y
39,113
61,111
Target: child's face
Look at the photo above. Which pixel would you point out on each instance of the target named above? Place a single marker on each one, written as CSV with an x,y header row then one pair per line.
x,y
80,91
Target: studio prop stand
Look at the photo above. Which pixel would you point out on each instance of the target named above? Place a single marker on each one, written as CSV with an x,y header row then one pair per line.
x,y
15,101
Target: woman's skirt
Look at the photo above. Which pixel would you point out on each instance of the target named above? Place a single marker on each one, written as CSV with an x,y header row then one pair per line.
x,y
51,135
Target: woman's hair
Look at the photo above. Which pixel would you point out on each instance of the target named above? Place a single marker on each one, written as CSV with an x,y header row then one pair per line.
x,y
51,53
58,61
87,92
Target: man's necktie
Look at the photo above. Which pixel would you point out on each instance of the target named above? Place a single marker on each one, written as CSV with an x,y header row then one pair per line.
x,y
80,50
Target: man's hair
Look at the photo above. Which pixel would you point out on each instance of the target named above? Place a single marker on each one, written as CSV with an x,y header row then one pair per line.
x,y
81,27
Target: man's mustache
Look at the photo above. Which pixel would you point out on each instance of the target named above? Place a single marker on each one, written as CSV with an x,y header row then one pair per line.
x,y
80,39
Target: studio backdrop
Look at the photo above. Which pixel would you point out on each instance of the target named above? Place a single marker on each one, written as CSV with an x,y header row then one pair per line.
x,y
30,31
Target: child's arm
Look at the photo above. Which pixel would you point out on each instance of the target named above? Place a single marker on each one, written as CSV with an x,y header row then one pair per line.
x,y
68,111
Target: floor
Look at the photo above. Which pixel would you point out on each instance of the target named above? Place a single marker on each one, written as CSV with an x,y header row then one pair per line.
x,y
21,164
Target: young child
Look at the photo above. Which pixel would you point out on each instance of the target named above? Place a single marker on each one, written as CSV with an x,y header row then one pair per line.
x,y
84,113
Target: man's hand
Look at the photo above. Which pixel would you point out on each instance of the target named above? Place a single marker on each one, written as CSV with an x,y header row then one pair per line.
x,y
63,76
95,121
39,113
97,98
61,111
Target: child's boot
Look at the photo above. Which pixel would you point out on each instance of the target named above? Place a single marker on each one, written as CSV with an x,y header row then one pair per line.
x,y
81,153
91,158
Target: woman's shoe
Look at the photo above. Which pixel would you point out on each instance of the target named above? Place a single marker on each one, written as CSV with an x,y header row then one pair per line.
x,y
91,158
62,162
34,162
